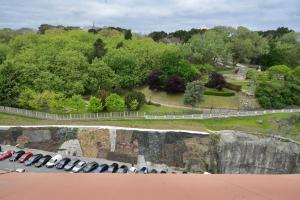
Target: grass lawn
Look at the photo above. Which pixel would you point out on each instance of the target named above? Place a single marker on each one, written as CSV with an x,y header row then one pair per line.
x,y
164,110
267,125
177,99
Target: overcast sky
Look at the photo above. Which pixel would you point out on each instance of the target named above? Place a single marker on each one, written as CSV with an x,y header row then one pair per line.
x,y
149,15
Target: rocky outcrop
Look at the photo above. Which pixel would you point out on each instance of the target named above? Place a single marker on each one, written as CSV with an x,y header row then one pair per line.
x,y
224,152
244,153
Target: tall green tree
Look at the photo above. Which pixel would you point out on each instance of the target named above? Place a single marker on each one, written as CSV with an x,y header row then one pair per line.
x,y
193,93
100,77
9,84
128,35
247,46
209,47
99,48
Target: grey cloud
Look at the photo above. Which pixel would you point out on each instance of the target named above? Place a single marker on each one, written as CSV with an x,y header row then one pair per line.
x,y
146,16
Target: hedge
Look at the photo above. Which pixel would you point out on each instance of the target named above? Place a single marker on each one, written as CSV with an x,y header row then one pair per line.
x,y
219,93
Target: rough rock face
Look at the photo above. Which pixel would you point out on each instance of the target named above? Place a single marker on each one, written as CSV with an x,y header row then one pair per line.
x,y
244,153
225,152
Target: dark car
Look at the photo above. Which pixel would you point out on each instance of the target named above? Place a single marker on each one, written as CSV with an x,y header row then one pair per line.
x,y
91,166
163,172
123,169
143,170
71,164
16,155
79,166
61,164
153,171
102,168
33,159
42,161
113,168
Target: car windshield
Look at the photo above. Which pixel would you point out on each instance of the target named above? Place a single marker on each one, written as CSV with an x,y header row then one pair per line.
x,y
72,162
81,163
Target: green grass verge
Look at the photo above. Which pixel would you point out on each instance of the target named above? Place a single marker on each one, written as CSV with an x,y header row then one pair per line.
x,y
165,110
265,124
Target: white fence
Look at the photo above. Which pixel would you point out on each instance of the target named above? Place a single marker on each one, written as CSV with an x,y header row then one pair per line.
x,y
138,115
223,115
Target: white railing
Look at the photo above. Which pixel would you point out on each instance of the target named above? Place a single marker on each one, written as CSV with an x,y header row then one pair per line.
x,y
137,115
223,115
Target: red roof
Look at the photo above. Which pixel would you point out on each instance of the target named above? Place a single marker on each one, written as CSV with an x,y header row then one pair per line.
x,y
37,186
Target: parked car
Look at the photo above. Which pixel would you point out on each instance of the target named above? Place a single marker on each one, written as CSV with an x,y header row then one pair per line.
x,y
163,172
79,166
71,164
25,157
6,154
132,170
91,166
16,155
42,161
61,164
54,160
123,169
143,170
113,168
153,171
20,170
33,159
102,168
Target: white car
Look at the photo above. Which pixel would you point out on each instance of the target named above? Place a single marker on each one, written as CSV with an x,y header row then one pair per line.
x,y
54,160
132,170
20,170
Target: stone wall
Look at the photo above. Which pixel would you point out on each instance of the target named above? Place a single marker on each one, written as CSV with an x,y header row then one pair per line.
x,y
225,152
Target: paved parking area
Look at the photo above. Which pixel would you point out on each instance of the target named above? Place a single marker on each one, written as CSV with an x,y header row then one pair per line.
x,y
7,166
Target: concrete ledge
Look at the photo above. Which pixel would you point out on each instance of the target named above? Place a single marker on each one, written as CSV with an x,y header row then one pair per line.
x,y
148,187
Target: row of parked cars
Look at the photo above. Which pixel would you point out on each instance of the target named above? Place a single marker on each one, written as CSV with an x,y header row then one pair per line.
x,y
75,165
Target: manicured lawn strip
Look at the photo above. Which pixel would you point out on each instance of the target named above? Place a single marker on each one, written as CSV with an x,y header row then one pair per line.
x,y
232,102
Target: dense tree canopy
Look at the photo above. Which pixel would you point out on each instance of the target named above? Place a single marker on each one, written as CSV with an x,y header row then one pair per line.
x,y
209,47
61,63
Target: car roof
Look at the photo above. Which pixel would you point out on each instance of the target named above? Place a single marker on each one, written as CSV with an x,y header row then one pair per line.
x,y
57,156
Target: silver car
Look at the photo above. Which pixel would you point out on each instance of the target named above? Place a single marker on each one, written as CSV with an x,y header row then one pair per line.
x,y
79,166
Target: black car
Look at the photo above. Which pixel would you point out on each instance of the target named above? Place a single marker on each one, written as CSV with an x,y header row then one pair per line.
x,y
143,170
71,164
153,171
102,168
123,169
113,168
61,164
163,172
33,159
16,155
90,167
42,161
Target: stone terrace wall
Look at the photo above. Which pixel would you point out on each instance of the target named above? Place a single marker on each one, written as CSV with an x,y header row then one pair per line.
x,y
226,152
